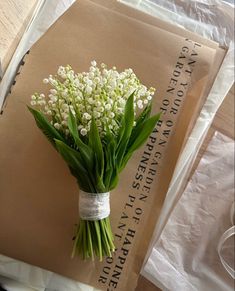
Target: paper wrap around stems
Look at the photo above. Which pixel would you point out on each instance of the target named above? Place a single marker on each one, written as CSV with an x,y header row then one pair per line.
x,y
94,206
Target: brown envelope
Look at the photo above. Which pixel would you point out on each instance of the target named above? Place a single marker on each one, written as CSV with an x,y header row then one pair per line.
x,y
38,196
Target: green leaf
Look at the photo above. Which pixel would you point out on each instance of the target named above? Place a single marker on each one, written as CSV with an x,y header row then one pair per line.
x,y
100,187
85,150
114,178
140,138
84,182
109,147
96,146
49,131
75,163
144,115
139,123
125,129
145,130
108,170
73,128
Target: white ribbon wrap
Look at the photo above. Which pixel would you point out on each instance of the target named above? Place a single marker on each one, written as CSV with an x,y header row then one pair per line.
x,y
94,206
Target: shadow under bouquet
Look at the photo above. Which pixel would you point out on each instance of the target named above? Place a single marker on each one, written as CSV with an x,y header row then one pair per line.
x,y
96,120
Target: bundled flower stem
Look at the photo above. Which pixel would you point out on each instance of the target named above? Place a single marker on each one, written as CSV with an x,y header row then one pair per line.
x,y
95,120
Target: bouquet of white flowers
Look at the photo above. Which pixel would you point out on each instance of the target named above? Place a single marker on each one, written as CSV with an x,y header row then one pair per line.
x,y
95,120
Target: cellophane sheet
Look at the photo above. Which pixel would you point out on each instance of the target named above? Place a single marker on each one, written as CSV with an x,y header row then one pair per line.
x,y
186,257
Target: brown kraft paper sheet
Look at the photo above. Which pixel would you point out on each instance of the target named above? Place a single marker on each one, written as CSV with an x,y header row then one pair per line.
x,y
38,196
151,20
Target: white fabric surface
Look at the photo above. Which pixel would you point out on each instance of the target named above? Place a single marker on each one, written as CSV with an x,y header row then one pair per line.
x,y
185,257
12,285
37,278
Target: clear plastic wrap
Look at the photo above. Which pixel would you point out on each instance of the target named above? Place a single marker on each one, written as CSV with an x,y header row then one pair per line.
x,y
185,257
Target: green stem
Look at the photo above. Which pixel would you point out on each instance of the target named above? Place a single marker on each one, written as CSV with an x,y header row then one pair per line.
x,y
93,237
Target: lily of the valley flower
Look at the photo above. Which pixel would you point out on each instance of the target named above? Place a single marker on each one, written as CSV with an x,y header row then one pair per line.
x,y
100,93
